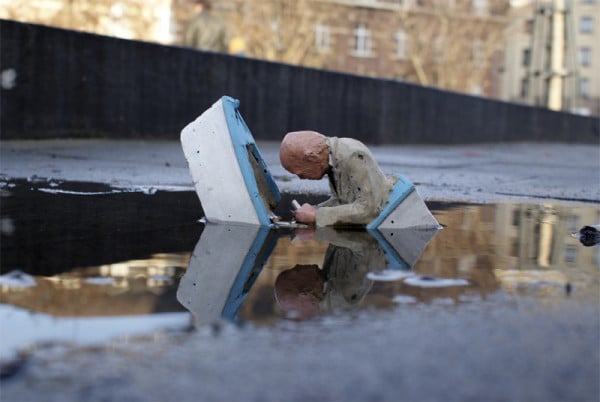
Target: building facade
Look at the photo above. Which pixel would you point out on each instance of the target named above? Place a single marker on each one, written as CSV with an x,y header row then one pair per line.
x,y
479,47
453,45
148,20
528,57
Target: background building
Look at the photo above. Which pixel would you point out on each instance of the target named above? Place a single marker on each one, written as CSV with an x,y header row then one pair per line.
x,y
149,20
452,45
481,47
528,55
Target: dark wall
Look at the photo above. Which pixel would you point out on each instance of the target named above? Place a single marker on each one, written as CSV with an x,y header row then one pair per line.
x,y
72,84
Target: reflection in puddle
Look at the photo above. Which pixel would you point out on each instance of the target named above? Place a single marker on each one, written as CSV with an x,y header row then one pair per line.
x,y
85,253
126,288
519,249
589,235
336,277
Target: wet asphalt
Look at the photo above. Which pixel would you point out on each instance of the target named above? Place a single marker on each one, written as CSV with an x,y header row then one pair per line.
x,y
474,173
495,348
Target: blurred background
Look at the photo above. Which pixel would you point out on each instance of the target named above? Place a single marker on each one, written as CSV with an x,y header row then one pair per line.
x,y
542,53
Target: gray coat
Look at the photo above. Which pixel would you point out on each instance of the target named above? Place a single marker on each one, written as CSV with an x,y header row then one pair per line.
x,y
359,188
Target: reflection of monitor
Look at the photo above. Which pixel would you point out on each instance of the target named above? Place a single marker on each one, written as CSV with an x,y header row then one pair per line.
x,y
403,246
225,263
230,175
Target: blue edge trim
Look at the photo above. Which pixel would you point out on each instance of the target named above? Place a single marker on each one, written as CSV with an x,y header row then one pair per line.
x,y
262,247
394,260
257,256
241,137
401,190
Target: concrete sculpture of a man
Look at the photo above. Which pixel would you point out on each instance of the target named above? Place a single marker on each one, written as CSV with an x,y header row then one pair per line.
x,y
359,189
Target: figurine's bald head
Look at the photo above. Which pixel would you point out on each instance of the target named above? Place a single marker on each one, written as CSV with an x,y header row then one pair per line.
x,y
305,153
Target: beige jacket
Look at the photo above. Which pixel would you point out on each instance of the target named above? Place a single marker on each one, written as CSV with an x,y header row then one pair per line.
x,y
359,188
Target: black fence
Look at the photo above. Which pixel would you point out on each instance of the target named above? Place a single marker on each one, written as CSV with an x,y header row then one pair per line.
x,y
73,84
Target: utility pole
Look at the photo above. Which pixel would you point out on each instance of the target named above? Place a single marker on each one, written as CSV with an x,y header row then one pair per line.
x,y
557,57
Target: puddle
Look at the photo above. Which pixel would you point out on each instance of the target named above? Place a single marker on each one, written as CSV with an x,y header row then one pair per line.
x,y
88,262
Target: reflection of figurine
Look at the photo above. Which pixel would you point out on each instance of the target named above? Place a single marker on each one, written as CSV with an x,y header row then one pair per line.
x,y
305,290
350,257
299,290
228,259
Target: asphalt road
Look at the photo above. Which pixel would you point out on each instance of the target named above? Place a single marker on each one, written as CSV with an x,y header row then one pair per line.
x,y
497,350
493,349
476,173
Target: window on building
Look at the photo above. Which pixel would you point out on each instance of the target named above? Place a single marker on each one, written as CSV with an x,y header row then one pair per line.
x,y
362,41
322,42
401,45
526,57
477,52
524,88
516,217
585,56
586,24
529,26
570,254
438,49
588,1
573,223
584,87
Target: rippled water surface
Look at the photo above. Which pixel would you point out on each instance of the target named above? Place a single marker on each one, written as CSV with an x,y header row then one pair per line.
x,y
83,263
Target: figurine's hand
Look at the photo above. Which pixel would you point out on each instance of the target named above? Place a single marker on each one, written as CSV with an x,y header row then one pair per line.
x,y
306,214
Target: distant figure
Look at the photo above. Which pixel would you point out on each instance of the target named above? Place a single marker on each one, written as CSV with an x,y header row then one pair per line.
x,y
206,31
359,188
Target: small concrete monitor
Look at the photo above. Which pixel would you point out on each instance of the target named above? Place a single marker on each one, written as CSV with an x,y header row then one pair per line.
x,y
230,175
